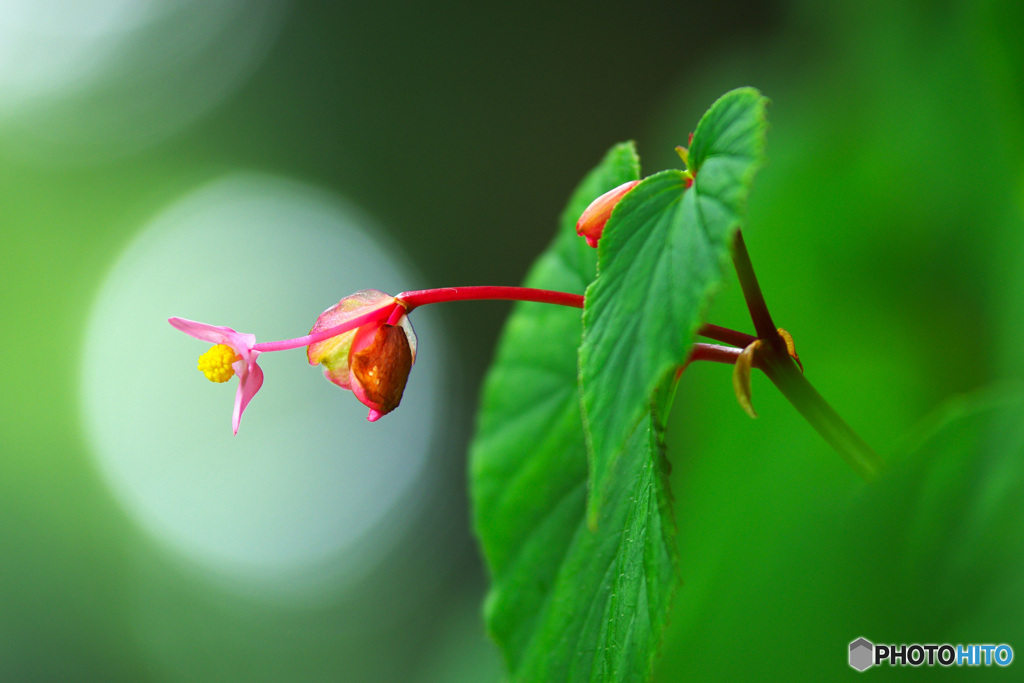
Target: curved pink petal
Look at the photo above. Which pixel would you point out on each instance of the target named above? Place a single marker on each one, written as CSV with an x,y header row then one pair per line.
x,y
250,379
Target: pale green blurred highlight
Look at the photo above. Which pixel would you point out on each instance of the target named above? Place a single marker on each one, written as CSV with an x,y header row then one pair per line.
x,y
307,496
886,231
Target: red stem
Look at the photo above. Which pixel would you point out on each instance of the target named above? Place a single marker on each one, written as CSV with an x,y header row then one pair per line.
x,y
724,334
396,314
444,294
434,296
714,353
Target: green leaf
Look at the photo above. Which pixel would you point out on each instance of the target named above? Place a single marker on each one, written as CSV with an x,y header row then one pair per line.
x,y
945,523
566,604
934,548
661,257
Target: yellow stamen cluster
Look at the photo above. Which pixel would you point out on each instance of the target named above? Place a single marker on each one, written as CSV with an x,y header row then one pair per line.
x,y
216,363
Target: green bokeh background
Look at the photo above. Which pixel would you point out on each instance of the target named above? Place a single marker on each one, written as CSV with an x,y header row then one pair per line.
x,y
887,231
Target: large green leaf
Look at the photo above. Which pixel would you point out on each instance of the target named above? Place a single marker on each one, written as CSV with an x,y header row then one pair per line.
x,y
566,603
661,257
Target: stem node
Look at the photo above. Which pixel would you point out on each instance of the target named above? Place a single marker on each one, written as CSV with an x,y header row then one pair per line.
x,y
778,355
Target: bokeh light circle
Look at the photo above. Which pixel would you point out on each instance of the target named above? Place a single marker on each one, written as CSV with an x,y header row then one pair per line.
x,y
308,483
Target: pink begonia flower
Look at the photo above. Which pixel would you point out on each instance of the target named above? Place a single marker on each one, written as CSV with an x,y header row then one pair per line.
x,y
371,361
592,221
232,355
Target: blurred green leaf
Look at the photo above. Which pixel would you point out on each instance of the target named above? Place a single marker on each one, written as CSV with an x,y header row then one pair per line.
x,y
929,553
566,603
946,524
660,259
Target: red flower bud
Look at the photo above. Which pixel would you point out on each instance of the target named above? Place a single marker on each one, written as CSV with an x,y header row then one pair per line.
x,y
373,360
591,223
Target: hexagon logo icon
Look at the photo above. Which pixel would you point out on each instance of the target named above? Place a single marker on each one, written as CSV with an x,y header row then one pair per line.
x,y
862,654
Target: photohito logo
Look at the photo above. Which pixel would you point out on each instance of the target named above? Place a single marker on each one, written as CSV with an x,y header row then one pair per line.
x,y
865,654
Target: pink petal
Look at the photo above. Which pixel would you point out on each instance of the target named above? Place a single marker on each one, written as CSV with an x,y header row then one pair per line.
x,y
214,334
250,379
363,337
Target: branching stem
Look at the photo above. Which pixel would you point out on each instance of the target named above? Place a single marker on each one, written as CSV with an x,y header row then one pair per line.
x,y
784,373
407,301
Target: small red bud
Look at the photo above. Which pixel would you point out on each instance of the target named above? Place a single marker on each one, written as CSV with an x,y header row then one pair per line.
x,y
591,223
